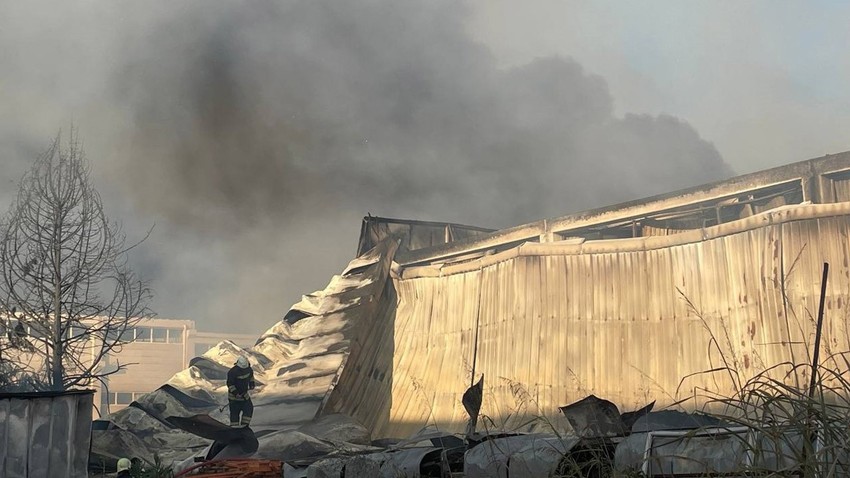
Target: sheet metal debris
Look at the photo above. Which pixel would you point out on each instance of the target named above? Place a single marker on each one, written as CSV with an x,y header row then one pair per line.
x,y
535,453
296,364
593,417
471,401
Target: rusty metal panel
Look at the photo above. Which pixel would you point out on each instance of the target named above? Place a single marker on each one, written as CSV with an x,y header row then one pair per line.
x,y
627,319
45,433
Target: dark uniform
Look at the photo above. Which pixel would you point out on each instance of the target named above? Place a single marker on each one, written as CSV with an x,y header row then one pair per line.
x,y
239,381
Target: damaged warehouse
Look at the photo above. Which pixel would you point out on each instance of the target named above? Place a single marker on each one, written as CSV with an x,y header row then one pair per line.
x,y
682,300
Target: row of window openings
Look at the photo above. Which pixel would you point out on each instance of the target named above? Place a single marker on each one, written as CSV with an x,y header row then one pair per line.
x,y
123,398
147,334
134,334
153,334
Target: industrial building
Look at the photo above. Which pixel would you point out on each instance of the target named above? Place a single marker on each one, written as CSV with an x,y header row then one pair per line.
x,y
672,299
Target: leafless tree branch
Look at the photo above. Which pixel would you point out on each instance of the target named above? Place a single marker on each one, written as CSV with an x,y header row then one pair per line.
x,y
64,278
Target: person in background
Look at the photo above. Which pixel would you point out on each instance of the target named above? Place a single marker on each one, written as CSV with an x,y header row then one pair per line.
x,y
124,465
240,379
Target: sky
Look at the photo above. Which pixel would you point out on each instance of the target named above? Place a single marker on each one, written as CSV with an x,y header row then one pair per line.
x,y
764,81
254,136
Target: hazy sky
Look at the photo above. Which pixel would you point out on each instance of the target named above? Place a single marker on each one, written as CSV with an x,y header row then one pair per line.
x,y
257,134
764,81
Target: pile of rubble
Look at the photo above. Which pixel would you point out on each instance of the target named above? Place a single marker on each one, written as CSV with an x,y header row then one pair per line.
x,y
602,442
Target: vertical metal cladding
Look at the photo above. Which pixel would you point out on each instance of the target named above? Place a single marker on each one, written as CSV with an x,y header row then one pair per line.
x,y
630,320
45,434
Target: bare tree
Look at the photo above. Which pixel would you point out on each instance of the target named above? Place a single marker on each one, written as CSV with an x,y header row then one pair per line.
x,y
65,283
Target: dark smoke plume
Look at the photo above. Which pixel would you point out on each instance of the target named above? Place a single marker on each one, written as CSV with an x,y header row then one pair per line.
x,y
259,133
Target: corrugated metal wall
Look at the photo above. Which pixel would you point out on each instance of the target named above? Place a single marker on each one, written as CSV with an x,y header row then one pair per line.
x,y
558,321
45,434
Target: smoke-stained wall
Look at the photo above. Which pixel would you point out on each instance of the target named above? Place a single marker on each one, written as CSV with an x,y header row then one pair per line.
x,y
257,134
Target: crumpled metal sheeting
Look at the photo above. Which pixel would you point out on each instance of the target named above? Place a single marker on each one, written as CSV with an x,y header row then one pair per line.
x,y
708,450
280,413
407,462
290,471
284,341
322,305
208,369
630,452
107,446
725,453
593,417
137,420
540,457
327,468
277,349
194,383
225,354
338,427
294,446
428,436
45,434
319,345
364,466
143,428
370,257
339,295
176,440
320,367
676,420
161,404
344,283
308,327
306,385
307,368
290,445
141,439
295,363
536,455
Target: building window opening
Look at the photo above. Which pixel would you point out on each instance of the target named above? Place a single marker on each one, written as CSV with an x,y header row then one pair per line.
x,y
175,336
123,398
128,335
160,335
143,334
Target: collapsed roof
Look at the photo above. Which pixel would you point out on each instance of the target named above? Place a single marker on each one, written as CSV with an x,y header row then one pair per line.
x,y
621,302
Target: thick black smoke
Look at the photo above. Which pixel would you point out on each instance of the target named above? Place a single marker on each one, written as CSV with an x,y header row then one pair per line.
x,y
259,133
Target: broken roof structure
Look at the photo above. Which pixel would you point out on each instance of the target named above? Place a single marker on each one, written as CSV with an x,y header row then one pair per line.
x,y
623,302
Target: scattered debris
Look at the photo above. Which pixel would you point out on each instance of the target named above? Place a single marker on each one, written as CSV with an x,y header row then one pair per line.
x,y
233,468
338,427
593,417
471,401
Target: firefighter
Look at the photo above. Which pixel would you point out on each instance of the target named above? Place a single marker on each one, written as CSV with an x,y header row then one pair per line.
x,y
124,466
240,379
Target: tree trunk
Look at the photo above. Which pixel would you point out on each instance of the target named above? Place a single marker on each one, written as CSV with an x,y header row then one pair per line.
x,y
57,374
